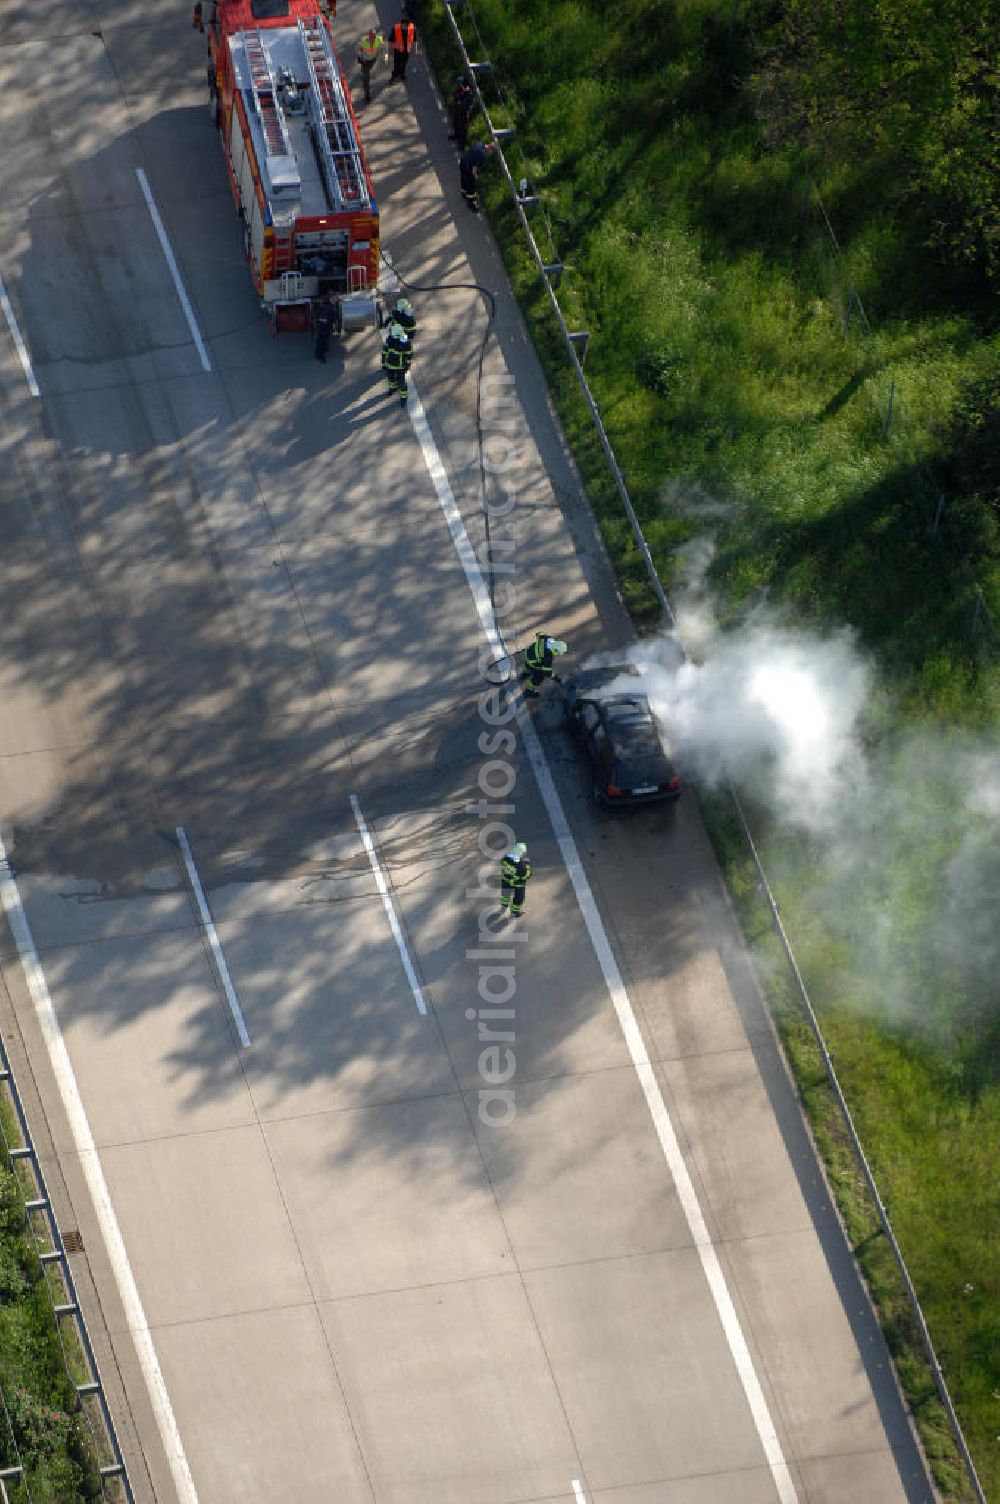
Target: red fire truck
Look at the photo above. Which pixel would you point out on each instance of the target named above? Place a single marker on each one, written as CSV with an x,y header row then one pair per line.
x,y
295,161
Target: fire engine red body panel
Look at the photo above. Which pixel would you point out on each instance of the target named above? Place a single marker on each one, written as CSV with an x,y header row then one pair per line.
x,y
293,152
239,15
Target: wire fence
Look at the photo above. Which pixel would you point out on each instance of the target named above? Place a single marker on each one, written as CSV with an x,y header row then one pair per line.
x,y
78,1357
551,271
478,69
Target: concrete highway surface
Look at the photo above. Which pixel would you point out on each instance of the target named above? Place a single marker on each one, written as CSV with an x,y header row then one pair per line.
x,y
349,1235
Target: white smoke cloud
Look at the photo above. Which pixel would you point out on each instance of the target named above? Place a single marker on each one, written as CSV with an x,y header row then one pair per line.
x,y
900,862
909,879
776,712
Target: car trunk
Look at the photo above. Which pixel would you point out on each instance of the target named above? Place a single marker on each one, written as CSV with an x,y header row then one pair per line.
x,y
641,771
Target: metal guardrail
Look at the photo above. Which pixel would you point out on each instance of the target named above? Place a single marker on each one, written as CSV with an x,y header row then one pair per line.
x,y
883,1216
576,340
69,1309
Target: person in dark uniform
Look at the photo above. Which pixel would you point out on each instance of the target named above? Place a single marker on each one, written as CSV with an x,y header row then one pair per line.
x,y
326,323
463,107
397,356
515,871
469,164
404,315
539,662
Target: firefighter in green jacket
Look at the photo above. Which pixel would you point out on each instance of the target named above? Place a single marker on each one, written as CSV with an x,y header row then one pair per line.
x,y
539,662
397,355
515,870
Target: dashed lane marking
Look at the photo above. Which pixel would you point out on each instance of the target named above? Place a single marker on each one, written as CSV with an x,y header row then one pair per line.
x,y
19,344
215,943
171,261
387,904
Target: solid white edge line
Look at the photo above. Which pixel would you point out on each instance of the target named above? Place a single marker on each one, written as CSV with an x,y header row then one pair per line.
x,y
453,517
686,1192
213,938
20,346
390,912
171,260
86,1149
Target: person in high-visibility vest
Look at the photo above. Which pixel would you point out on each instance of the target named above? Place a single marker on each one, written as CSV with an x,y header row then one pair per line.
x,y
397,355
369,45
515,872
404,41
539,662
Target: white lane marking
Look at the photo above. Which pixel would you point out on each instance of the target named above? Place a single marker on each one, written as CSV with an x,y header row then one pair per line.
x,y
390,912
686,1192
83,1140
578,1493
165,246
20,346
213,938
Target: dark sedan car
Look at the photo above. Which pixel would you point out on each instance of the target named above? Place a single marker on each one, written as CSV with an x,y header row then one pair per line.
x,y
620,738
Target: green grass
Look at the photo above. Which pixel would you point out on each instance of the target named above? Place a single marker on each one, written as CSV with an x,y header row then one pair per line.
x,y
732,368
712,291
47,1429
933,1145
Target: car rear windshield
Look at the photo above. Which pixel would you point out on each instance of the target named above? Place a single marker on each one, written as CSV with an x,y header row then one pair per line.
x,y
634,732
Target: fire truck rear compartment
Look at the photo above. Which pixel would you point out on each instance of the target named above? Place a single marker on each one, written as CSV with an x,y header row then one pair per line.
x,y
323,254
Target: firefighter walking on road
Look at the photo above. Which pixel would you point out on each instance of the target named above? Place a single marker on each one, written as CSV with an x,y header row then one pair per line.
x,y
369,45
515,871
539,663
397,356
404,43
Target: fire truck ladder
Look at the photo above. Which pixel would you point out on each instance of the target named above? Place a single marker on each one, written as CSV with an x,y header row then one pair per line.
x,y
265,96
333,129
